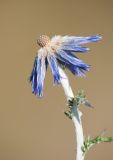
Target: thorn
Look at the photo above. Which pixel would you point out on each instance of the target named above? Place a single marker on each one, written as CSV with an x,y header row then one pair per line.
x,y
88,104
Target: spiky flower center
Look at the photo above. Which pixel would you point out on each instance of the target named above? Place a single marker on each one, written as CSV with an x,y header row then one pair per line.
x,y
43,40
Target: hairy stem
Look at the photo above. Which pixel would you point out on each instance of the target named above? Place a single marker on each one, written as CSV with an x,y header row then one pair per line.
x,y
76,115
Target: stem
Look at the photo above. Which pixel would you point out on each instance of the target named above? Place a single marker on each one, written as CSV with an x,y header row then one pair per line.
x,y
76,115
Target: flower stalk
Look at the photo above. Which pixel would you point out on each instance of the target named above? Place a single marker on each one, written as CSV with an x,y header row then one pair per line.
x,y
75,115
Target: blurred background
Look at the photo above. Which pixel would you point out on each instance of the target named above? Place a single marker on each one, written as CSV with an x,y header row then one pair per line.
x,y
33,128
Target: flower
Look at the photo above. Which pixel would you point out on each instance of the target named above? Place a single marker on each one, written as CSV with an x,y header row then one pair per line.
x,y
58,51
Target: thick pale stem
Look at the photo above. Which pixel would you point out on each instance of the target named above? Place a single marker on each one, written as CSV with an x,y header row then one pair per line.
x,y
76,115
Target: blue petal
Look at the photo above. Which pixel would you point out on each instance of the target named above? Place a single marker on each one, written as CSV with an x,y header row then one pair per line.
x,y
46,62
54,68
69,58
77,70
37,76
74,48
82,40
75,65
33,76
41,69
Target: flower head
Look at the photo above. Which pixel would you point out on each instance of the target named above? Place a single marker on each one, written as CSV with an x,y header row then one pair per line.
x,y
58,51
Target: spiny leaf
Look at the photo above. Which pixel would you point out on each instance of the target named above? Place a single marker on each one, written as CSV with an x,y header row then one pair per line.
x,y
90,142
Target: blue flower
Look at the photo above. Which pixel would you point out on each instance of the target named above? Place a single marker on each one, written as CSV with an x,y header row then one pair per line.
x,y
59,51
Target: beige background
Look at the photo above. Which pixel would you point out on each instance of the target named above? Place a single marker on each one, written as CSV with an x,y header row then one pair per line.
x,y
37,129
